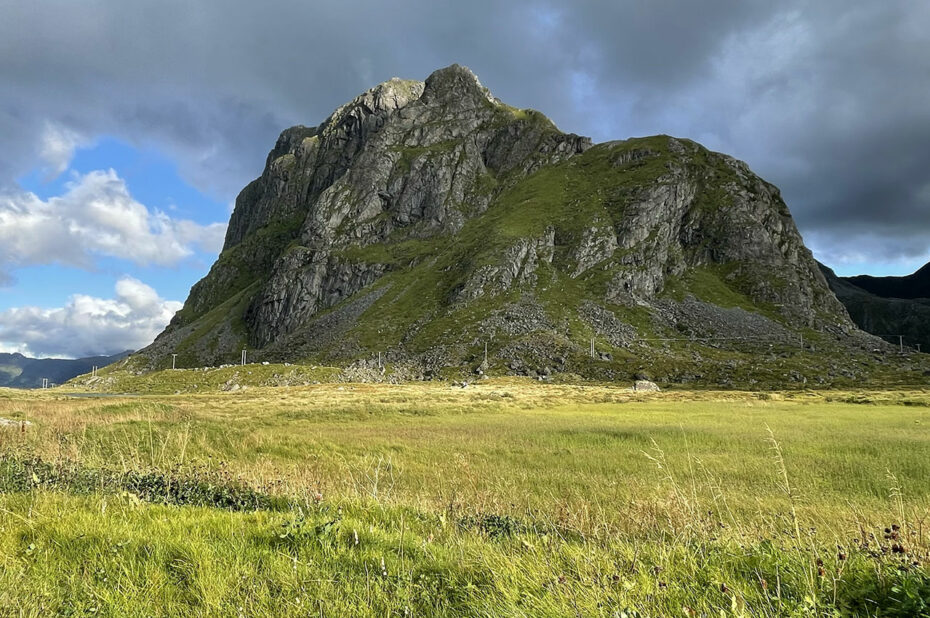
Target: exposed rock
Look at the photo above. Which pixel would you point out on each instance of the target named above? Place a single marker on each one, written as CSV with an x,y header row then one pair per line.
x,y
887,306
425,220
645,386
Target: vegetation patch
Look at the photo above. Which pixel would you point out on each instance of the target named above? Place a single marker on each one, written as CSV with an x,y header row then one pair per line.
x,y
179,486
505,498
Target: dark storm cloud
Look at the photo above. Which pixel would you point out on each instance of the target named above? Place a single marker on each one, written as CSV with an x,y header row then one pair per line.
x,y
828,99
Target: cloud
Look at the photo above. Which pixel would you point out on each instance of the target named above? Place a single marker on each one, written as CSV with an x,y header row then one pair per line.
x,y
96,216
13,349
57,149
827,99
89,326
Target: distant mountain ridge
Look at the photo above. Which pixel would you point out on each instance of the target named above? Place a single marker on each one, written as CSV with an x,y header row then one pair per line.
x,y
18,371
888,307
915,285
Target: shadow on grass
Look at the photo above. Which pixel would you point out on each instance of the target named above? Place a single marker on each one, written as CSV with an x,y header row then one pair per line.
x,y
180,486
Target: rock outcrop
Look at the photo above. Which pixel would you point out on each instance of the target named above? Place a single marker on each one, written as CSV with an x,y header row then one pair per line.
x,y
424,219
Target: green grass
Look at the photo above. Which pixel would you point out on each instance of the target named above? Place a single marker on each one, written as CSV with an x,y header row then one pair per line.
x,y
238,267
127,380
409,154
504,499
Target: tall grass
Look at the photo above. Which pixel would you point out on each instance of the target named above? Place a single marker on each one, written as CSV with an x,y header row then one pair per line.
x,y
502,499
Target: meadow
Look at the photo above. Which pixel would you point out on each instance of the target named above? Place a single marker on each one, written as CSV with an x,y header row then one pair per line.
x,y
506,498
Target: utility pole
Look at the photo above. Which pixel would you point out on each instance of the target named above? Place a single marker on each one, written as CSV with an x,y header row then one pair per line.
x,y
901,343
379,360
243,357
174,359
44,382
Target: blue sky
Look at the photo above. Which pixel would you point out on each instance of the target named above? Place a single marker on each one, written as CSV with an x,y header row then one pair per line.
x,y
101,297
152,179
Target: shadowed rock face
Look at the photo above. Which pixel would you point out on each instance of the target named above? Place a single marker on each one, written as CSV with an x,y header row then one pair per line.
x,y
887,306
915,285
423,215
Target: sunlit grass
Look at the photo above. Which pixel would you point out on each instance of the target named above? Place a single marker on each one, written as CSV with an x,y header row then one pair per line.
x,y
505,498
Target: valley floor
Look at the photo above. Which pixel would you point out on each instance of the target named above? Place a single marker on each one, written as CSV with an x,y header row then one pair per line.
x,y
507,498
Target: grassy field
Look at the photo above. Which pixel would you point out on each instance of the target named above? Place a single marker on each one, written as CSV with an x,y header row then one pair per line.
x,y
507,498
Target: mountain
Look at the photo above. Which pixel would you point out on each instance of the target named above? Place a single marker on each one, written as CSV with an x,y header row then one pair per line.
x,y
916,285
425,220
18,371
887,306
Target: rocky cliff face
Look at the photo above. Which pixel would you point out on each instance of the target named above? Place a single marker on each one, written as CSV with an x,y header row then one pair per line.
x,y
423,219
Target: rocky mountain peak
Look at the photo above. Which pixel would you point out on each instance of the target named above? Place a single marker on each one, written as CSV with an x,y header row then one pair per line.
x,y
421,217
456,85
382,100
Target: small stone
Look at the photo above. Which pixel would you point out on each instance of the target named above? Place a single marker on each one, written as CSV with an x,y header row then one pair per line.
x,y
645,386
6,422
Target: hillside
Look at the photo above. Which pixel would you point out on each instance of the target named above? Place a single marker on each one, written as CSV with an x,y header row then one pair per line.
x,y
18,371
915,285
888,306
424,221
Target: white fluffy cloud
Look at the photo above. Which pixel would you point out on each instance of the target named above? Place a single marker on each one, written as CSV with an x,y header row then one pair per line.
x,y
96,216
88,326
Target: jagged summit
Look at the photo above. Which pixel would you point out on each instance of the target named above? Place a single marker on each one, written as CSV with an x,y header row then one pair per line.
x,y
457,84
422,219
